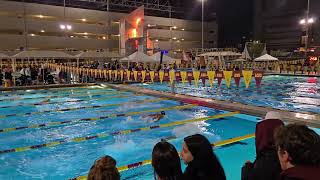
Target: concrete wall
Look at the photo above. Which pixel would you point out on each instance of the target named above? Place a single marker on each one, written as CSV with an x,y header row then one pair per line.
x,y
98,24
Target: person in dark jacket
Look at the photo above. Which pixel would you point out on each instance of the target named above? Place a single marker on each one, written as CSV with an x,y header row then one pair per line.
x,y
298,152
266,166
202,163
166,162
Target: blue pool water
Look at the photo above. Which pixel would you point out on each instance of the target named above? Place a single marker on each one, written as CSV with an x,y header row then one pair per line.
x,y
300,94
72,159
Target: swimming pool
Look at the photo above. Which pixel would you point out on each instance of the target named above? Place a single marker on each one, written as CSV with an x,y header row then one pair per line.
x,y
61,138
300,94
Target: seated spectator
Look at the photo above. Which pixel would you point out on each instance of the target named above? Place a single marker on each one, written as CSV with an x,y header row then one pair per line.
x,y
202,163
166,162
266,166
104,169
298,152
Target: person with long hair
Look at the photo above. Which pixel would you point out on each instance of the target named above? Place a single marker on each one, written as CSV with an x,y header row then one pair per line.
x,y
299,152
166,162
104,169
266,166
202,163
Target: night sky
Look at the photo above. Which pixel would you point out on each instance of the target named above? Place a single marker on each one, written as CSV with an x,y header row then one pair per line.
x,y
235,18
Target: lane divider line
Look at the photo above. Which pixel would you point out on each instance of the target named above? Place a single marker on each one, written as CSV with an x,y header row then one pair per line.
x,y
62,102
122,132
148,162
64,110
53,91
64,95
92,119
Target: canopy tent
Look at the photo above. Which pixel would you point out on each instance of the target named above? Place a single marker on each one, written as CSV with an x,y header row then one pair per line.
x,y
124,59
166,59
139,57
97,55
3,56
42,54
266,58
220,53
239,60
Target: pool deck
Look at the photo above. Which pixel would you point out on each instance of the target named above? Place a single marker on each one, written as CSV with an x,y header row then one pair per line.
x,y
14,88
310,119
290,74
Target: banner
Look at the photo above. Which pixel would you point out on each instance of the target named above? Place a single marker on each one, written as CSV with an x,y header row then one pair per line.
x,y
219,75
203,76
190,77
135,75
115,74
177,76
196,75
121,75
247,76
227,76
237,77
152,76
105,74
143,76
211,75
110,75
258,77
166,76
172,75
183,75
128,73
161,75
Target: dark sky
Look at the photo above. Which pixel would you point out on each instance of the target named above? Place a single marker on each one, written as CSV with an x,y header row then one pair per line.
x,y
235,18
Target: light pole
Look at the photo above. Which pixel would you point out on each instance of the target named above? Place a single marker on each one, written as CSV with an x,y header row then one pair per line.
x,y
202,31
306,22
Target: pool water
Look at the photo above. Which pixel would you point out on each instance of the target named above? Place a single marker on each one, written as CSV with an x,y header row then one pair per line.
x,y
300,94
64,121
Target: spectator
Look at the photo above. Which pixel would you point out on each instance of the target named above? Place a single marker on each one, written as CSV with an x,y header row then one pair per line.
x,y
266,166
298,152
1,77
202,163
104,169
166,162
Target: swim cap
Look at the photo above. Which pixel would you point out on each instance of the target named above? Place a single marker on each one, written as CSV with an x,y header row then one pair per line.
x,y
163,113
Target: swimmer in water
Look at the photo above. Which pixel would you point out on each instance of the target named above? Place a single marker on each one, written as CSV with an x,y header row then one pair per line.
x,y
45,101
154,117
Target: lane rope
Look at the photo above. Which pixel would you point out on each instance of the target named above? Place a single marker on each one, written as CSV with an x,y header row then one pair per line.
x,y
92,119
148,162
66,90
122,132
76,108
62,102
64,95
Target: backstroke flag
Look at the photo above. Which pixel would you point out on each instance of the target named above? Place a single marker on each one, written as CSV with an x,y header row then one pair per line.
x,y
247,76
211,75
227,76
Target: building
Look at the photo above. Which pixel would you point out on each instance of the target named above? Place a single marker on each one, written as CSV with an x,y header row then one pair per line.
x,y
276,22
96,27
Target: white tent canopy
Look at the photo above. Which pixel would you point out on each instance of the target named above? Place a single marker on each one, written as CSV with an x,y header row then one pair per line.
x,y
220,53
239,60
3,56
166,59
266,57
97,55
124,59
139,57
42,54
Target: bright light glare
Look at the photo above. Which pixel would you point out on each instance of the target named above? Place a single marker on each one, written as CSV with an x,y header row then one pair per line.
x,y
302,21
62,26
311,20
69,27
